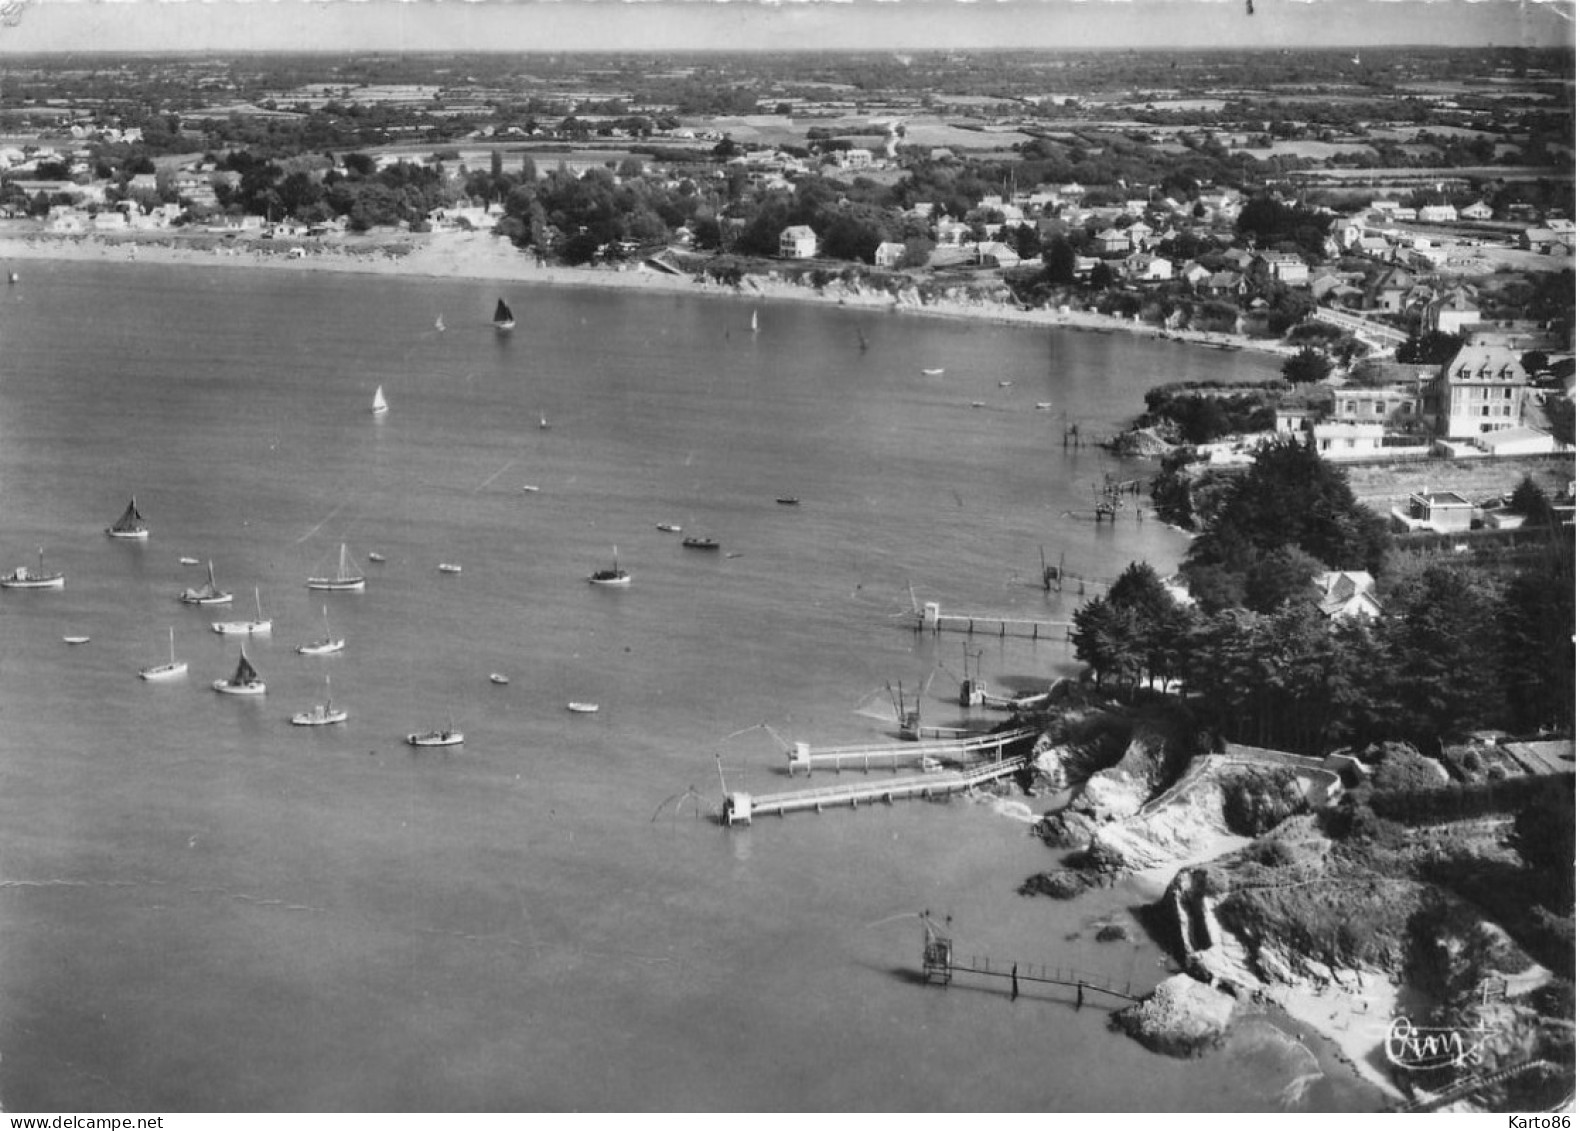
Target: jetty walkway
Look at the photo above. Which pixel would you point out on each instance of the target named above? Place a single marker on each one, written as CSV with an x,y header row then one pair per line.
x,y
930,618
805,757
940,966
741,807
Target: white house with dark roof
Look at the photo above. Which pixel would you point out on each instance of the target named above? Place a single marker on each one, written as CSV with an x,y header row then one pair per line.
x,y
1481,390
797,242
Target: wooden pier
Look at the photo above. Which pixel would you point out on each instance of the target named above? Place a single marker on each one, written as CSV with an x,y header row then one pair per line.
x,y
930,618
805,757
740,807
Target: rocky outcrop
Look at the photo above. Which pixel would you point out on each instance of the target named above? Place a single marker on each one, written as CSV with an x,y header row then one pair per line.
x,y
1182,1017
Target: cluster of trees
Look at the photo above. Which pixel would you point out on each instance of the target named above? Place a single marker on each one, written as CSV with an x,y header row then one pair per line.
x,y
1200,414
1261,664
366,195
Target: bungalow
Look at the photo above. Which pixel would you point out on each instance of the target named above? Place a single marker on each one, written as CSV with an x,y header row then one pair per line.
x,y
1194,273
1451,312
888,255
995,254
1149,268
1346,594
1140,234
1111,241
1480,210
1442,511
797,242
1437,214
1543,240
1226,284
1517,441
1389,293
1336,440
1286,268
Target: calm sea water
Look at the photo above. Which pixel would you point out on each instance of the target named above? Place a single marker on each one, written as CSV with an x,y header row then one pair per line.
x,y
205,908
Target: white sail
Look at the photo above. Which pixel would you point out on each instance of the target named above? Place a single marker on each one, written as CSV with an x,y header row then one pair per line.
x,y
379,403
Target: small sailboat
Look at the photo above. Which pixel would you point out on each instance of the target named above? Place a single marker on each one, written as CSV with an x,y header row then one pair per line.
x,y
380,405
438,323
206,594
614,575
543,423
504,320
754,322
130,524
861,336
168,670
244,681
255,627
346,579
322,714
325,645
24,578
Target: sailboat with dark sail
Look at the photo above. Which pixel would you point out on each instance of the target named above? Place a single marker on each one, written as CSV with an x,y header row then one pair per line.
x,y
245,680
345,579
130,524
504,320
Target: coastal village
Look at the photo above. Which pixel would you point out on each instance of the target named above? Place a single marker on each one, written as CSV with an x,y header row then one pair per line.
x,y
1339,740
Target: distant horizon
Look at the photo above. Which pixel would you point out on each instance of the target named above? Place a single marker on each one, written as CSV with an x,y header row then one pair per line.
x,y
428,27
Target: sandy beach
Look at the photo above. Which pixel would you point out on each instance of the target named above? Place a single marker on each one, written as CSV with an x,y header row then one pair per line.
x,y
482,255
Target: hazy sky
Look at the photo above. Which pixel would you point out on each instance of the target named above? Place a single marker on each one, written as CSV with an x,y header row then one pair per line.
x,y
552,25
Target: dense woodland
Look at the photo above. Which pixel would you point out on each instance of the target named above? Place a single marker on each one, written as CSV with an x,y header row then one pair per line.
x,y
1460,649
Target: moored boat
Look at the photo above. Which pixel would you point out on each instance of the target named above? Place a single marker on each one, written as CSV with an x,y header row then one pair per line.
x,y
255,627
582,708
614,575
700,543
380,405
504,319
206,594
449,567
130,524
169,670
669,528
324,645
244,681
321,714
24,578
345,580
449,736
499,678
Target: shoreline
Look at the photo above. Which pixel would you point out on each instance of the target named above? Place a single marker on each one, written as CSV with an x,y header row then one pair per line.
x,y
482,256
